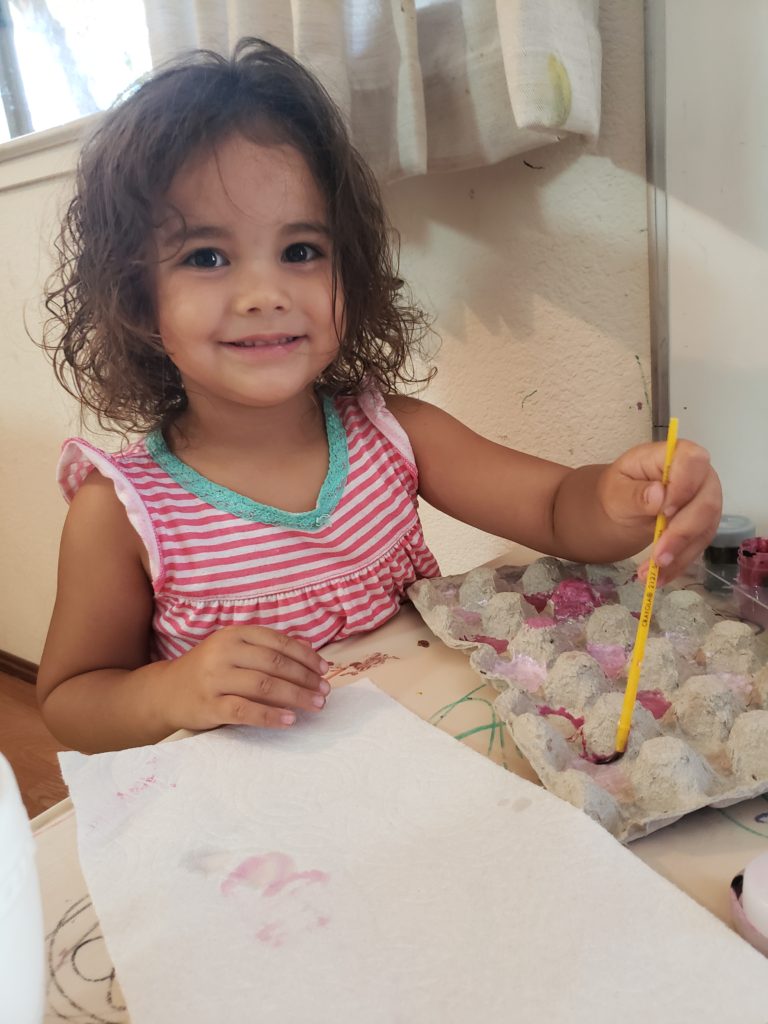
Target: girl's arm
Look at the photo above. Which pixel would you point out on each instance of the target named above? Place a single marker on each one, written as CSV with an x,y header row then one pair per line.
x,y
590,514
97,688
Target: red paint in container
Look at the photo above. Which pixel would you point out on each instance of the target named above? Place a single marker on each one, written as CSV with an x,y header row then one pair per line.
x,y
752,561
751,584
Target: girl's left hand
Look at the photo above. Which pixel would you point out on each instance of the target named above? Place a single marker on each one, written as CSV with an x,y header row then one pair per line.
x,y
632,494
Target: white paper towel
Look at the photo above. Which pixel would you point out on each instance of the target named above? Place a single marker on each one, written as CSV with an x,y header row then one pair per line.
x,y
364,866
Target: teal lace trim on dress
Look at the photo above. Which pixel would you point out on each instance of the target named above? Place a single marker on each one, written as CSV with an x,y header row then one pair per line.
x,y
245,508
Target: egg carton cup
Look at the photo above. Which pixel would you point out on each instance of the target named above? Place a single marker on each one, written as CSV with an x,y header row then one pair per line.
x,y
555,639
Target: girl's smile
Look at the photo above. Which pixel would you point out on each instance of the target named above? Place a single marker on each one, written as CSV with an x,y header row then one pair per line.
x,y
266,344
244,280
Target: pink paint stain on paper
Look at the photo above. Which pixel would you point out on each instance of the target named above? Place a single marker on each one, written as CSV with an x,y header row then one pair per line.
x,y
288,901
138,787
152,775
271,873
142,785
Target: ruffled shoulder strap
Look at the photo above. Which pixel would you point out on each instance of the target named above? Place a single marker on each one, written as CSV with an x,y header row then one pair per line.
x,y
79,458
372,403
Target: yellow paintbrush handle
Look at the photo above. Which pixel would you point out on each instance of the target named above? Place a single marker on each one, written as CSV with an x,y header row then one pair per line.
x,y
633,676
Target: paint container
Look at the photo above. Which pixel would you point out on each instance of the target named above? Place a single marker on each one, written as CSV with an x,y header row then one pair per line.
x,y
721,557
753,562
749,903
22,984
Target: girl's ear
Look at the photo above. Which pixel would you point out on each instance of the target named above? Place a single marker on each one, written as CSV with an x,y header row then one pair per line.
x,y
156,340
171,382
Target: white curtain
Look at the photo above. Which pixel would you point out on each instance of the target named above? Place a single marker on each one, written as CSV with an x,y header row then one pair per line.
x,y
426,85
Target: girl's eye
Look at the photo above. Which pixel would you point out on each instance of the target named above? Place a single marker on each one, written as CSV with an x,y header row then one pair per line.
x,y
301,252
205,259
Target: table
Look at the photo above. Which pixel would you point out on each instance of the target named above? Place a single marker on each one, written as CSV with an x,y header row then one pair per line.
x,y
700,854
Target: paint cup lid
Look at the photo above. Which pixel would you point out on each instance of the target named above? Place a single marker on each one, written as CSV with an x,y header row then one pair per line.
x,y
733,529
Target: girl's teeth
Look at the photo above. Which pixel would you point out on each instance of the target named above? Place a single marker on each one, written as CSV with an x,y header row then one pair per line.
x,y
261,344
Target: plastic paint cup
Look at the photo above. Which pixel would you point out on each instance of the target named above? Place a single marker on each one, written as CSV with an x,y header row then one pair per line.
x,y
753,562
22,982
722,554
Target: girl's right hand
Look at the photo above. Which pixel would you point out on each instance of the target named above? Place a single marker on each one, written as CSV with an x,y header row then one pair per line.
x,y
246,675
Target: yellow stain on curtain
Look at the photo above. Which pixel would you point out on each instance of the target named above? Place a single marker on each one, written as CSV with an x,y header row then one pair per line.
x,y
561,90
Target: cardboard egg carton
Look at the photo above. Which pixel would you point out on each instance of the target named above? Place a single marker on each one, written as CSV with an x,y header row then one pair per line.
x,y
555,639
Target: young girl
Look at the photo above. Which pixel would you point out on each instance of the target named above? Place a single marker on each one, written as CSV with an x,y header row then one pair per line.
x,y
225,288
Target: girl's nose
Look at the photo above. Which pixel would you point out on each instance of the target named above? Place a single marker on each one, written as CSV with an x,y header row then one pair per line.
x,y
261,291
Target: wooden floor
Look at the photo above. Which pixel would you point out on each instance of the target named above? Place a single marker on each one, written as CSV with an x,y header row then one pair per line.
x,y
29,746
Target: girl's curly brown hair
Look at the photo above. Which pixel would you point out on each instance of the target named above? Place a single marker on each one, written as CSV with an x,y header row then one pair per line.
x,y
101,333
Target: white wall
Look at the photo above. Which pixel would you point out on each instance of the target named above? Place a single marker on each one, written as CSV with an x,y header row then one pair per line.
x,y
717,211
537,277
34,413
539,281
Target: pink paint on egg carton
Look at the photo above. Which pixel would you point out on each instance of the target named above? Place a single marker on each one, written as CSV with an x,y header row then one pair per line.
x,y
540,622
574,599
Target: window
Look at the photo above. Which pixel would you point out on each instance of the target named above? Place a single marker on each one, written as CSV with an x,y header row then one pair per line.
x,y
64,59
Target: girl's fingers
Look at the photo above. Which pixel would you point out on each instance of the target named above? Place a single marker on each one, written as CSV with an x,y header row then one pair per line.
x,y
241,711
689,473
285,646
275,691
691,529
674,568
636,489
684,539
282,658
260,678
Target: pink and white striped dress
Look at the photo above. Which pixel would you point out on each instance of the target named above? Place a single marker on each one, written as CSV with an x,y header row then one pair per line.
x,y
218,558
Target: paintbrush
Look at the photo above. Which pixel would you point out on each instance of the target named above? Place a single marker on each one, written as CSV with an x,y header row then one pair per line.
x,y
633,677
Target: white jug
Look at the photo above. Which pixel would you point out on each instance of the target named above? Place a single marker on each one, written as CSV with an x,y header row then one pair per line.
x,y
22,981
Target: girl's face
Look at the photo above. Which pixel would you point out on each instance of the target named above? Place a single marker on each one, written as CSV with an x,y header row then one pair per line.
x,y
243,296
